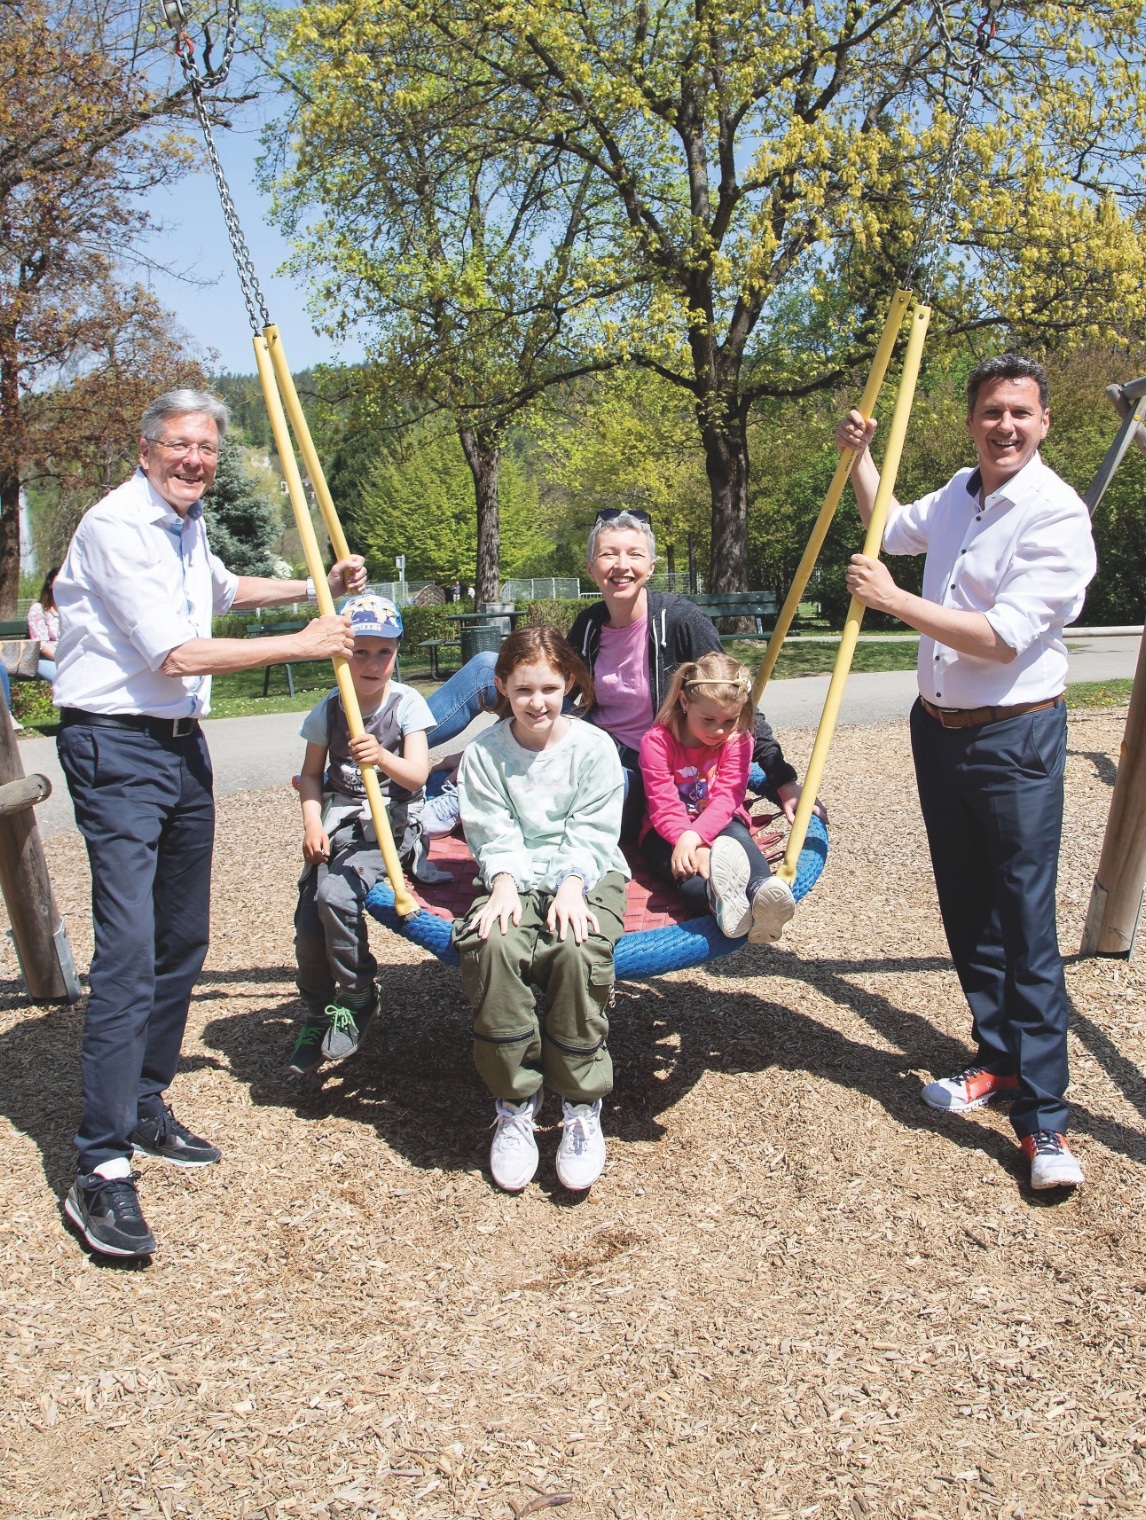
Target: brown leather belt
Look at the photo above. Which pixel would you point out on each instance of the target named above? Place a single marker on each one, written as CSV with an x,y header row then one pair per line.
x,y
975,717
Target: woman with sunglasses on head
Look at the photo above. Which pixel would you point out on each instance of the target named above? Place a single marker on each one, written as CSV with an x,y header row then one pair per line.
x,y
633,642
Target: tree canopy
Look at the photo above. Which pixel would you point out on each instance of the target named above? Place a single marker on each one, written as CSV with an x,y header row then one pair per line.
x,y
750,169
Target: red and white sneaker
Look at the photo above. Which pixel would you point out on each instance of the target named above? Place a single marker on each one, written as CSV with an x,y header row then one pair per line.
x,y
1052,1164
968,1089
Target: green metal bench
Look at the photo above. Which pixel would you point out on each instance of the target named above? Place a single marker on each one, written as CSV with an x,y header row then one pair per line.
x,y
270,631
753,604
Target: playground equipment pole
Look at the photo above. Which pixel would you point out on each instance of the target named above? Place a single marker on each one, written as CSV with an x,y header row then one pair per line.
x,y
1116,897
866,406
38,931
403,900
874,539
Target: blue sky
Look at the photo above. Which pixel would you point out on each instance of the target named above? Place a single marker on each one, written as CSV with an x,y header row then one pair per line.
x,y
194,239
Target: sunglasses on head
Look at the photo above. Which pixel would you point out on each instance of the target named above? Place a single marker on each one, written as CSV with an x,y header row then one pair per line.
x,y
609,514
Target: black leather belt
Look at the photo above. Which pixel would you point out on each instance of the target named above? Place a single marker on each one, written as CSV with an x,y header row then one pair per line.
x,y
158,728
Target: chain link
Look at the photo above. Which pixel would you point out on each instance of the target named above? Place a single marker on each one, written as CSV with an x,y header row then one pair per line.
x,y
936,231
198,83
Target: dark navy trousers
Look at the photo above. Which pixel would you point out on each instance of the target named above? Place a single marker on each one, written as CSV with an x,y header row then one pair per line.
x,y
145,808
992,801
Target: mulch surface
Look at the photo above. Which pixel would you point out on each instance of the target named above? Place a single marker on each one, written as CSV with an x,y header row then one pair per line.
x,y
795,1292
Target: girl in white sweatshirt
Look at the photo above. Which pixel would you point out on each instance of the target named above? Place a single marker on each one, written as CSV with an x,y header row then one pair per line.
x,y
540,796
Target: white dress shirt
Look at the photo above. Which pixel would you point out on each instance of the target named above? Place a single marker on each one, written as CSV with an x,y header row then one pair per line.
x,y
138,580
1023,557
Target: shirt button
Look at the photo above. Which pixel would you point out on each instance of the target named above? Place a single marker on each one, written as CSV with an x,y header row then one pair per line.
x,y
938,693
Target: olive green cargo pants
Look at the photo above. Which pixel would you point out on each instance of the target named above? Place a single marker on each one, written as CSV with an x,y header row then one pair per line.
x,y
516,1046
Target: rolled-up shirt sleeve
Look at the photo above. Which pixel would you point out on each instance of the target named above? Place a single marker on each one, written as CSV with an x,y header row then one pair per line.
x,y
1045,583
224,585
908,526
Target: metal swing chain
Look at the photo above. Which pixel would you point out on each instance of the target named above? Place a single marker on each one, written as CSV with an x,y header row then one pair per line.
x,y
934,236
176,14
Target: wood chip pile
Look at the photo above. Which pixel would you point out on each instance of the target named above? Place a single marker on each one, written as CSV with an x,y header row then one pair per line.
x,y
795,1292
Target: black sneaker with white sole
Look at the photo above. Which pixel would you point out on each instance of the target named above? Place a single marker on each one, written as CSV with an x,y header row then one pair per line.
x,y
307,1056
106,1212
162,1135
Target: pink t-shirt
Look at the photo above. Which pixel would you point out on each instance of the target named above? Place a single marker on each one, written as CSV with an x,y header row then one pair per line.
x,y
621,676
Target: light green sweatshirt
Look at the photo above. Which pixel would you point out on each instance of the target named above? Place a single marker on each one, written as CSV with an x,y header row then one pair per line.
x,y
541,815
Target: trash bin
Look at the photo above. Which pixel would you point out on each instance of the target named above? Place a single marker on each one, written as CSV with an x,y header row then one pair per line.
x,y
491,610
479,636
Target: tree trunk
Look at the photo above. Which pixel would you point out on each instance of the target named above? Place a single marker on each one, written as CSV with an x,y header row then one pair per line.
x,y
483,455
671,553
726,464
692,563
9,477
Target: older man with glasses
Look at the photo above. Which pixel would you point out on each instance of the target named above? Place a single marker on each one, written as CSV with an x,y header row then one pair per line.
x,y
137,592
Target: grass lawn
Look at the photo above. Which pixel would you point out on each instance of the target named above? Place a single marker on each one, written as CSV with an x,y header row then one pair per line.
x,y
240,695
799,659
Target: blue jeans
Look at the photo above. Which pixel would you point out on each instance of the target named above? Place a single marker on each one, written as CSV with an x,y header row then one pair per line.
x,y
469,692
145,809
992,802
5,686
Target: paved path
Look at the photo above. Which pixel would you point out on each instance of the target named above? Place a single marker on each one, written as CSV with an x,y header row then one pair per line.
x,y
252,753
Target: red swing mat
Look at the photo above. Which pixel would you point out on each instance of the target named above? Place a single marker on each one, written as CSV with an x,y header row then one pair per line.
x,y
650,904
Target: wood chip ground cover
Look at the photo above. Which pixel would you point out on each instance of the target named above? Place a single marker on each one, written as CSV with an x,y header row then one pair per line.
x,y
795,1292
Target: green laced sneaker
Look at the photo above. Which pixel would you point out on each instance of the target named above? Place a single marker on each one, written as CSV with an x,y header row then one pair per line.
x,y
307,1055
346,1028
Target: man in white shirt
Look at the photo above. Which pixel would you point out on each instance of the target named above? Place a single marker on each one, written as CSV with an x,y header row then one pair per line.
x,y
136,593
1009,556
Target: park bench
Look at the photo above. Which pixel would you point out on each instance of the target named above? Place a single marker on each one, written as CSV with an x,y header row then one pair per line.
x,y
272,630
435,647
738,604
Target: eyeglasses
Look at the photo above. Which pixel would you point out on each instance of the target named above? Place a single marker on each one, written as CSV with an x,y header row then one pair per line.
x,y
609,514
180,447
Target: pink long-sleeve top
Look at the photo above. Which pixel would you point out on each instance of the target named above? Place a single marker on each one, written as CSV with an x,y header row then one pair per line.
x,y
700,789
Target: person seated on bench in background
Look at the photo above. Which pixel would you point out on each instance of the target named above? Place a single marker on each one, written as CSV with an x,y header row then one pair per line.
x,y
44,625
634,640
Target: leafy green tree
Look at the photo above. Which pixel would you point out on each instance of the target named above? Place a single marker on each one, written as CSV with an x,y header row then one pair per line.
x,y
242,521
456,264
418,501
744,153
626,439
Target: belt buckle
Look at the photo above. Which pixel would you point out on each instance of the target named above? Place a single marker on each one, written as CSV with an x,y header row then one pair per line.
x,y
182,728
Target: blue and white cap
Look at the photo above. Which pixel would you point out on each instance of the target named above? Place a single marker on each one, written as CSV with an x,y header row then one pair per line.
x,y
373,617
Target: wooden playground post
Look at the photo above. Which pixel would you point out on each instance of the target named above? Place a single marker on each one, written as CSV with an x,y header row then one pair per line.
x,y
38,931
1115,908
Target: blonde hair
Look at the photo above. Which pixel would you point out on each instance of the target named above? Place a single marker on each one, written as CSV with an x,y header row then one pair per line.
x,y
717,676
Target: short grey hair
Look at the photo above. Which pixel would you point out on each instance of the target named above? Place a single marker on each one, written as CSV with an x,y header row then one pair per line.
x,y
623,522
178,404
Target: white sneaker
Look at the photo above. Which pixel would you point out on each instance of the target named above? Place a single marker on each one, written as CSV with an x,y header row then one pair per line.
x,y
581,1154
728,873
440,813
513,1150
772,907
1052,1164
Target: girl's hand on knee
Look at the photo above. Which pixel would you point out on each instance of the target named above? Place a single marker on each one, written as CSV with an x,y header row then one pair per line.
x,y
502,906
315,846
568,910
684,855
704,860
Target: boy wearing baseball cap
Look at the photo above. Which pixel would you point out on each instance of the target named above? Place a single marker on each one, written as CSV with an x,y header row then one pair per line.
x,y
336,970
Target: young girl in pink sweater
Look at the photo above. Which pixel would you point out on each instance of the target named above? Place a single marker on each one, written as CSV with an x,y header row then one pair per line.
x,y
697,833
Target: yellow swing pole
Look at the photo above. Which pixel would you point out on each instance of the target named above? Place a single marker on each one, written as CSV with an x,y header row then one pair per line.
x,y
920,317
866,406
306,448
403,901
